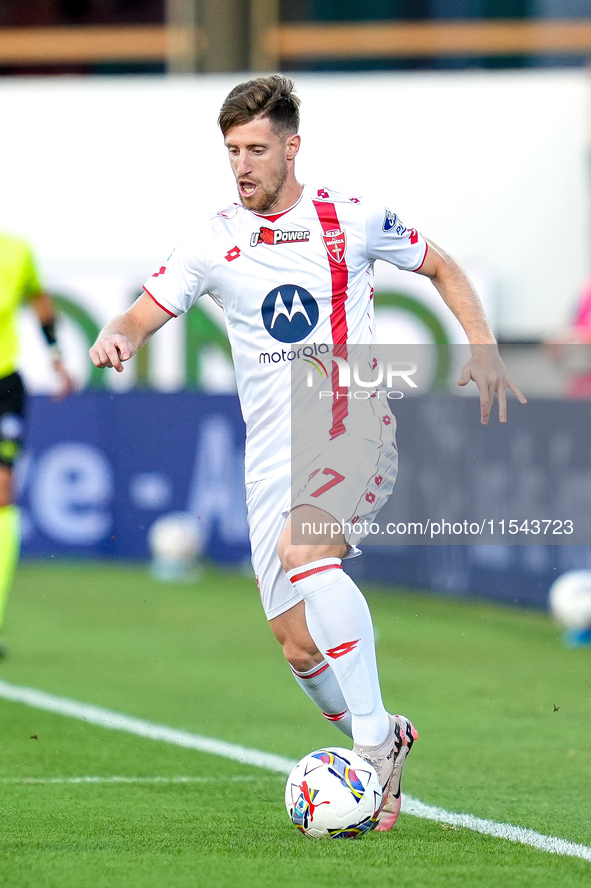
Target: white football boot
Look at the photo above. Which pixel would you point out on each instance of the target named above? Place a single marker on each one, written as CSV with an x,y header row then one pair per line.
x,y
388,760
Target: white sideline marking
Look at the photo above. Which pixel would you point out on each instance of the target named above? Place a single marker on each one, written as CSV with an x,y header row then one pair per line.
x,y
43,781
106,718
520,834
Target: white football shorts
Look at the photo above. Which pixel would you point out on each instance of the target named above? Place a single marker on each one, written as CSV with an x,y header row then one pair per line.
x,y
350,479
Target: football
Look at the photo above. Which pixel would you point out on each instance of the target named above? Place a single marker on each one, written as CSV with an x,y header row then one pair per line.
x,y
175,544
570,599
333,793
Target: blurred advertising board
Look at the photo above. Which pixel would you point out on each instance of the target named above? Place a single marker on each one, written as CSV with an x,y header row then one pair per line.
x,y
101,467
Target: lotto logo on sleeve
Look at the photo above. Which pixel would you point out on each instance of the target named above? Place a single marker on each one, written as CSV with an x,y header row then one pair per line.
x,y
290,313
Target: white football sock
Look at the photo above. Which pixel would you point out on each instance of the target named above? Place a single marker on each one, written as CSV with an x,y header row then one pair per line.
x,y
321,686
340,623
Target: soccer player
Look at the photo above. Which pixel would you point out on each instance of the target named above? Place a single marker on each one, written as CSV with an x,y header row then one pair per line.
x,y
19,284
292,265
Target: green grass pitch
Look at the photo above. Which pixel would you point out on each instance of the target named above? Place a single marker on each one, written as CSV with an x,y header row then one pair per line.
x,y
502,708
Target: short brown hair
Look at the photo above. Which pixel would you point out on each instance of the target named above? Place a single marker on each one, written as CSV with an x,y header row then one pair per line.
x,y
273,97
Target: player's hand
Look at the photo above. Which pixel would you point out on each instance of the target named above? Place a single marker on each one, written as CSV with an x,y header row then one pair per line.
x,y
65,382
111,351
489,373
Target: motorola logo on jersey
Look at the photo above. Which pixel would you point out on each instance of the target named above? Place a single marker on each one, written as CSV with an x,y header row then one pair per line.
x,y
290,313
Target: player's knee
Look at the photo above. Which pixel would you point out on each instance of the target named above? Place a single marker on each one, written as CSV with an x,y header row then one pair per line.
x,y
292,556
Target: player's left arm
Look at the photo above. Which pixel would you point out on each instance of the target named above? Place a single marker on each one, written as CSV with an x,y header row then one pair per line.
x,y
485,366
42,305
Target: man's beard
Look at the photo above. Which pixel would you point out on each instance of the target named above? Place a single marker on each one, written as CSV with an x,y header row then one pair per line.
x,y
265,200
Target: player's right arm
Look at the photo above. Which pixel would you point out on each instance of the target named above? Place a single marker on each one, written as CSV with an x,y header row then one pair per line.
x,y
125,334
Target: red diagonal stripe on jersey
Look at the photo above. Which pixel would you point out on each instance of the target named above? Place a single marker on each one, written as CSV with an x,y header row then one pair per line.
x,y
339,273
345,648
315,570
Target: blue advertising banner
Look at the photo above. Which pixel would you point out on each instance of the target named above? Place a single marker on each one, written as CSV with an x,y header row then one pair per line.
x,y
100,468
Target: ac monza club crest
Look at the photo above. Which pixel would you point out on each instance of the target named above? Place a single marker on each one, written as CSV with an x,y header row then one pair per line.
x,y
335,242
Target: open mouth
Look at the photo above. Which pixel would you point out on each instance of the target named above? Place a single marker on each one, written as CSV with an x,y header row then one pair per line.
x,y
247,189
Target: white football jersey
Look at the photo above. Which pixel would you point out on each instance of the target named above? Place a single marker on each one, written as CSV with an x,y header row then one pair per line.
x,y
288,283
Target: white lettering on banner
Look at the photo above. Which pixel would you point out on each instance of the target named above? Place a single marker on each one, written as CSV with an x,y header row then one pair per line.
x,y
70,493
216,494
150,490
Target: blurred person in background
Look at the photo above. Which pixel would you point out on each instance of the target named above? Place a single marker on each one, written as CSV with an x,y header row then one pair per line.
x,y
570,347
19,285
